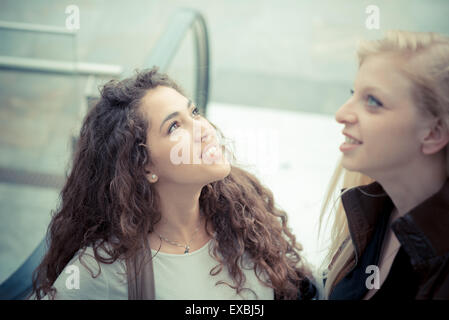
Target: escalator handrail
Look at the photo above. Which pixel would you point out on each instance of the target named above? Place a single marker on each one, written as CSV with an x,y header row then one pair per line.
x,y
168,44
15,287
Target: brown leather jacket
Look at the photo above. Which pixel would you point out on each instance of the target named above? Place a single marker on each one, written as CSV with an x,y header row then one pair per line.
x,y
423,233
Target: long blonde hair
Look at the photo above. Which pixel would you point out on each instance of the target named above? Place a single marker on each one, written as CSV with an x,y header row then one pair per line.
x,y
431,92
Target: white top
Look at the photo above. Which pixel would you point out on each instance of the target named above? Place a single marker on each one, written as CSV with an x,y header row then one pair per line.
x,y
176,276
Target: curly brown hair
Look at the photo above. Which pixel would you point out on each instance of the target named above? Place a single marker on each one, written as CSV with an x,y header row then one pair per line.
x,y
107,199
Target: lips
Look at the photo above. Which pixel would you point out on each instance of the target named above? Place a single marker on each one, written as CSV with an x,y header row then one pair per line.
x,y
352,140
350,143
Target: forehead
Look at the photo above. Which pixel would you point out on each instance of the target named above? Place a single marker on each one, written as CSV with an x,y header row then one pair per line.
x,y
385,71
157,103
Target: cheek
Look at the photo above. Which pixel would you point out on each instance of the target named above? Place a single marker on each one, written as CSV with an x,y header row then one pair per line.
x,y
168,153
394,138
160,156
406,133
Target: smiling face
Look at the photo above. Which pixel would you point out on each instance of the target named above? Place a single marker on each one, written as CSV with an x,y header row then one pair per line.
x,y
383,126
183,145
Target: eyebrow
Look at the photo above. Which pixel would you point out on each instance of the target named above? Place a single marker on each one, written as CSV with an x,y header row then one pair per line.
x,y
374,88
173,114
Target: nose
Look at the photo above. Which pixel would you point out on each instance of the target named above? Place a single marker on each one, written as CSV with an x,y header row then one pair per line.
x,y
207,136
345,115
203,132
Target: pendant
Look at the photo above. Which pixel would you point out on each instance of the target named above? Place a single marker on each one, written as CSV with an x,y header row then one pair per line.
x,y
187,249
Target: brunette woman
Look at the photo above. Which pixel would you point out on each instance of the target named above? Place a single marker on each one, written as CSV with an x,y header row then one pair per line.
x,y
150,178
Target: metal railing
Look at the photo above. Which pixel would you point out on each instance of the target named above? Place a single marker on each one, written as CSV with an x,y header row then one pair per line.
x,y
52,66
19,284
59,67
39,28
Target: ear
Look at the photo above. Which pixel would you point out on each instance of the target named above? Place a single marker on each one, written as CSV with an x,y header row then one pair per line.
x,y
437,138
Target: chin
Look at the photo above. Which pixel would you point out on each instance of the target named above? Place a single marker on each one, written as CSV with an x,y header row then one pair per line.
x,y
366,171
218,172
350,165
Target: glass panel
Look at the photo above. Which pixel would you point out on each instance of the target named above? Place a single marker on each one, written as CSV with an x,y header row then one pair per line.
x,y
38,115
183,66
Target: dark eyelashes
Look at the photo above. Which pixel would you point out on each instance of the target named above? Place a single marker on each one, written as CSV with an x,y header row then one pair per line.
x,y
376,101
171,126
369,98
196,112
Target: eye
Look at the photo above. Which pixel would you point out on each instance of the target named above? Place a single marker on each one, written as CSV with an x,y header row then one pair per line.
x,y
173,126
373,102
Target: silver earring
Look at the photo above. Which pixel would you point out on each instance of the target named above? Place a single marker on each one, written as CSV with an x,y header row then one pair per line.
x,y
153,176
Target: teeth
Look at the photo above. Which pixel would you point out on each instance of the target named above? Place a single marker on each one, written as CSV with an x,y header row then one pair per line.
x,y
211,151
351,141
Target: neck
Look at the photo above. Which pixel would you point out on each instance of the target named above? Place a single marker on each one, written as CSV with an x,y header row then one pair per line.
x,y
412,185
180,211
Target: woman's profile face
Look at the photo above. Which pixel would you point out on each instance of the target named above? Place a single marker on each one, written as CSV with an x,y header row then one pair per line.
x,y
183,145
383,126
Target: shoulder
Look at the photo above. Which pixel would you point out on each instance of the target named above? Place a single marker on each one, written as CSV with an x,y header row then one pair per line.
x,y
86,278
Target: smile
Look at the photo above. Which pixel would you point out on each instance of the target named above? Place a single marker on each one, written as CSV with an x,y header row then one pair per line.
x,y
352,141
210,152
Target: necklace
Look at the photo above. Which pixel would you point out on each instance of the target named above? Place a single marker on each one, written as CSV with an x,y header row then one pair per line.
x,y
175,243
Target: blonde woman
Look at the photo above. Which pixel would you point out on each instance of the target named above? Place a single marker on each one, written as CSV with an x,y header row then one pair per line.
x,y
390,235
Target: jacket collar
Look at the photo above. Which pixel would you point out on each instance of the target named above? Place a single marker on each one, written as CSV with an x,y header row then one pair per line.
x,y
423,231
363,206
